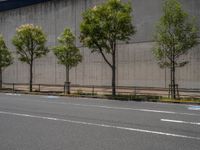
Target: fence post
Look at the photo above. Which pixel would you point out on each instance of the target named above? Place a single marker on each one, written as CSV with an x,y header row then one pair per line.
x,y
93,90
13,88
177,91
169,91
135,91
39,88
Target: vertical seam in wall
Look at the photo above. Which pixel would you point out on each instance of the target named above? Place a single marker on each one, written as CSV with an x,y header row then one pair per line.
x,y
75,35
55,14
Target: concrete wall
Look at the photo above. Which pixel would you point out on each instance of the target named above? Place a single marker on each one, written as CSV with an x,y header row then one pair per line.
x,y
136,64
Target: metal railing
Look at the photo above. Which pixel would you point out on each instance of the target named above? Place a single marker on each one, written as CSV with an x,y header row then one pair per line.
x,y
102,90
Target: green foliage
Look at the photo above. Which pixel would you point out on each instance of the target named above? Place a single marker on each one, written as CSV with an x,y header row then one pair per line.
x,y
67,53
103,25
30,43
176,34
6,58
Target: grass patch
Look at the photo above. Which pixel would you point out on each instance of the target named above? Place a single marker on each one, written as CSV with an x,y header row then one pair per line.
x,y
81,93
181,100
133,97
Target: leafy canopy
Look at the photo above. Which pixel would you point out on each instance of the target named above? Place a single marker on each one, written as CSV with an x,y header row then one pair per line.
x,y
30,42
176,33
67,53
105,24
6,58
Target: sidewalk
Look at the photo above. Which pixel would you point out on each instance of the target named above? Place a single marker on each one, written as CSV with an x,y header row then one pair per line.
x,y
101,90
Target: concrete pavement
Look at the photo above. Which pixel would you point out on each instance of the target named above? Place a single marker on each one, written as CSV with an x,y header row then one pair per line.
x,y
58,123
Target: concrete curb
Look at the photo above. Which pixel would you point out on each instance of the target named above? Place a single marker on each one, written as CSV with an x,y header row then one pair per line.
x,y
103,97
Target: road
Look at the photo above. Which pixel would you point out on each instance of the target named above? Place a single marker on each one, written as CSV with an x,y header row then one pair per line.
x,y
60,123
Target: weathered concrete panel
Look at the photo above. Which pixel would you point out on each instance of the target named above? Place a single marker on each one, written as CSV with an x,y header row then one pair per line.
x,y
136,65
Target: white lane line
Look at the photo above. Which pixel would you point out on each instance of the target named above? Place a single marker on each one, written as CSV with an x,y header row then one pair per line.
x,y
115,108
194,107
101,125
122,108
51,97
13,94
179,121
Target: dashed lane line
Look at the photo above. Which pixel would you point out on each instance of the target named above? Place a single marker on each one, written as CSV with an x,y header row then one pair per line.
x,y
179,121
101,125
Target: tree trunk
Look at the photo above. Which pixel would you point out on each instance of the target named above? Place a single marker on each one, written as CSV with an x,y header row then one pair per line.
x,y
0,78
172,76
67,73
67,83
114,71
31,77
170,86
113,81
173,82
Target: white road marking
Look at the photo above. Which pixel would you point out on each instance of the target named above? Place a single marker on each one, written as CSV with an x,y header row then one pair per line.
x,y
13,94
115,108
194,107
122,108
53,97
178,121
101,125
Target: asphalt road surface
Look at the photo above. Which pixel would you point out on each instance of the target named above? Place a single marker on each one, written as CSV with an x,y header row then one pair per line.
x,y
58,123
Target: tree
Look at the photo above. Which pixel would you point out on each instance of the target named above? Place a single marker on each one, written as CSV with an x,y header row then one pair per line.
x,y
67,53
175,35
6,58
30,44
103,26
